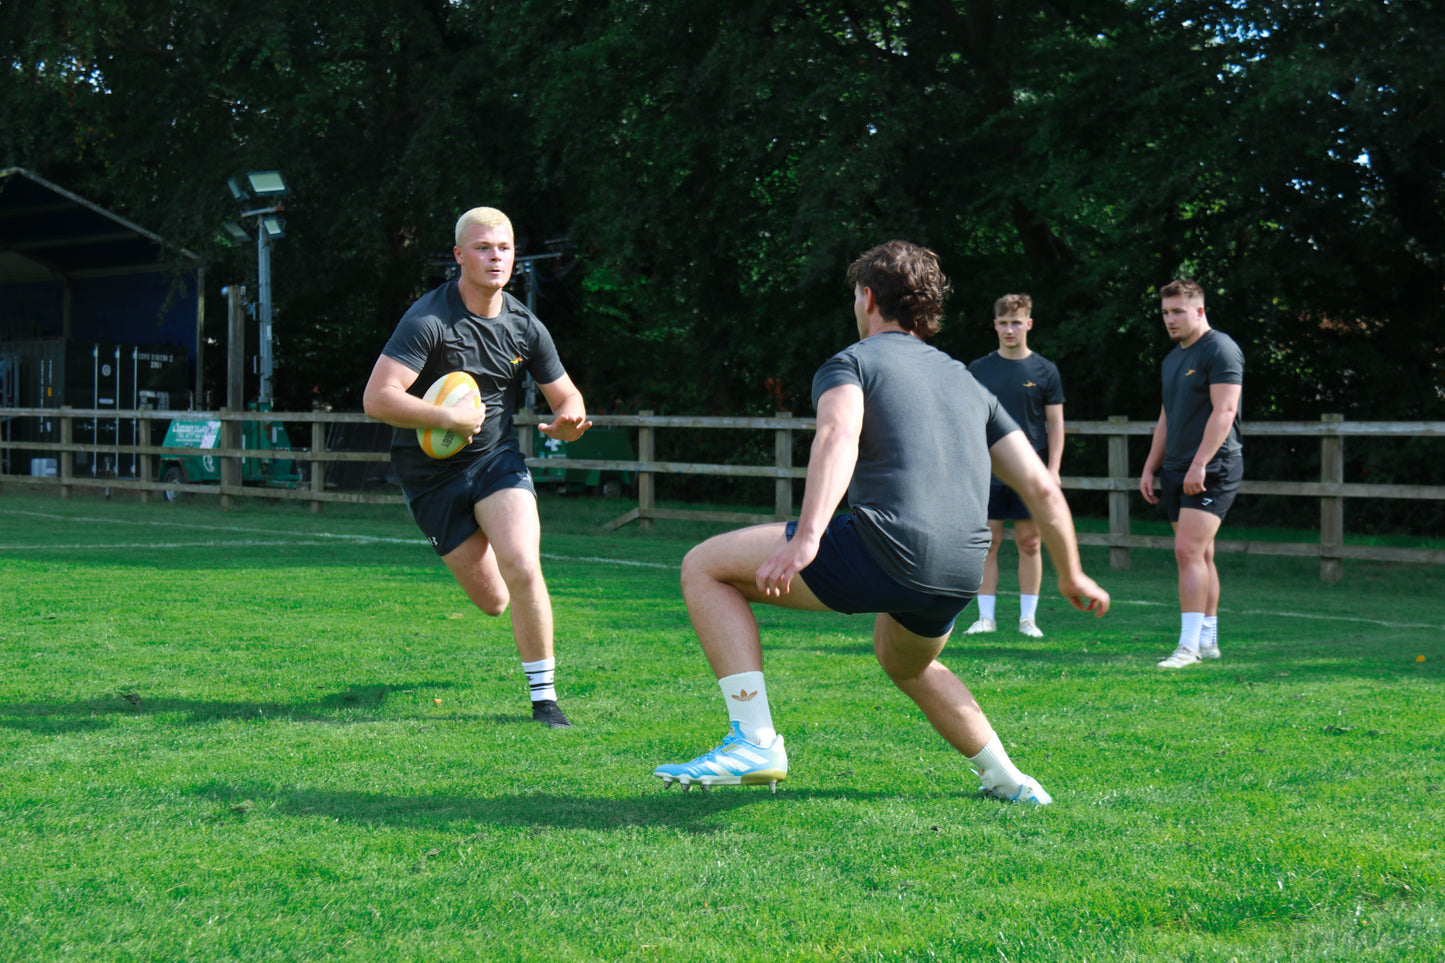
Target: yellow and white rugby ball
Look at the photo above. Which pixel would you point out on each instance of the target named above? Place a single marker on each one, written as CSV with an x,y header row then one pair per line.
x,y
447,392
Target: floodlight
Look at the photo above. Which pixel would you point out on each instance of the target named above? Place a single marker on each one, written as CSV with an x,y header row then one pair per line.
x,y
273,225
266,183
236,231
237,191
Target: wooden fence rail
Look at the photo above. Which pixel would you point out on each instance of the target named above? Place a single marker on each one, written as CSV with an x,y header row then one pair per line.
x,y
1331,490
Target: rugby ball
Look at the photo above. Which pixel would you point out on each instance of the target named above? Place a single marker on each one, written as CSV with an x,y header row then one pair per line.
x,y
447,392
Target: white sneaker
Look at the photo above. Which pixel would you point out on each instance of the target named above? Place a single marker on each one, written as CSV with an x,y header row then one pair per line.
x,y
981,626
1029,793
1182,656
1027,627
1208,650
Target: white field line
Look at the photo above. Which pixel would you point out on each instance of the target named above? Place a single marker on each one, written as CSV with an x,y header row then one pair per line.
x,y
316,538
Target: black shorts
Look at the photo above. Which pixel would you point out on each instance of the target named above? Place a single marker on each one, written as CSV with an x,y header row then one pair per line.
x,y
845,578
1221,483
445,512
1005,504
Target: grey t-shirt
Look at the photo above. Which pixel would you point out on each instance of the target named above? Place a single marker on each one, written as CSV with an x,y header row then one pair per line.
x,y
438,335
919,493
1187,374
1025,387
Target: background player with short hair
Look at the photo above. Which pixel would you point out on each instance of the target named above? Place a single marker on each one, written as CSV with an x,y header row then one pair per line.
x,y
478,508
1198,457
1029,386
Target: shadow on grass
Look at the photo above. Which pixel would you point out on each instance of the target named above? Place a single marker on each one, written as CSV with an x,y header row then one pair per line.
x,y
654,807
357,703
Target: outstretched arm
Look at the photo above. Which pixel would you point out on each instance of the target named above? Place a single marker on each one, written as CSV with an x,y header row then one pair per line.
x,y
1015,462
569,413
830,469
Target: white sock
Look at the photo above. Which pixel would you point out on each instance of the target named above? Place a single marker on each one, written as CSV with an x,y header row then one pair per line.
x,y
1190,624
1028,606
540,676
1209,632
995,769
986,606
746,695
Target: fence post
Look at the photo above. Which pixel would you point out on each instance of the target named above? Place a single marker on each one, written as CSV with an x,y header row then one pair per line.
x,y
527,436
67,458
230,465
1119,498
1332,508
783,458
318,467
645,492
143,437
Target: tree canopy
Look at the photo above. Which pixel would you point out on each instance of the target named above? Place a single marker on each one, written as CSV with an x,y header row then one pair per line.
x,y
706,170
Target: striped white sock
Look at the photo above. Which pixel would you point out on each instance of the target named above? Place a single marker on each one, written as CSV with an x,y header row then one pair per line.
x,y
540,676
746,695
1209,632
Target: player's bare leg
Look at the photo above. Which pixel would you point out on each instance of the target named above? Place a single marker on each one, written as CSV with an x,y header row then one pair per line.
x,y
509,519
719,585
1031,574
1198,583
987,597
911,662
474,565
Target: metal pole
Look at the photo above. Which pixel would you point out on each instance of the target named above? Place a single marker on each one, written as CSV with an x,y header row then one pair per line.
x,y
263,269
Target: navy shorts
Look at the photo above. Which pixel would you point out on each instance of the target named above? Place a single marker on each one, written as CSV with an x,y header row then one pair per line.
x,y
845,578
446,514
1005,503
1221,483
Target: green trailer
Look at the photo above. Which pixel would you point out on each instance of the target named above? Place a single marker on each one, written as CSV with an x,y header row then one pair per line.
x,y
597,444
272,467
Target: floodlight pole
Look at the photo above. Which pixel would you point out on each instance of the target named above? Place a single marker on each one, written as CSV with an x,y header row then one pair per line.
x,y
263,270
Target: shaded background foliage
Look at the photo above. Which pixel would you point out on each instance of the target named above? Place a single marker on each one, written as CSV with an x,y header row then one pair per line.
x,y
707,169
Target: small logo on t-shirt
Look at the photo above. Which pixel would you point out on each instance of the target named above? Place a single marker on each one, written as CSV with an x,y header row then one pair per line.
x,y
1189,372
518,360
1030,384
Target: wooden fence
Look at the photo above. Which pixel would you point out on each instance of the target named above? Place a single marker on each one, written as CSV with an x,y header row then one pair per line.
x,y
1120,485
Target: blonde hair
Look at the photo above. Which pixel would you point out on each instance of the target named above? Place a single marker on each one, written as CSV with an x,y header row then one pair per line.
x,y
483,216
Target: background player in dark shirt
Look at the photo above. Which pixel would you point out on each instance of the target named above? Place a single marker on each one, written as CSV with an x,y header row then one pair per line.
x,y
1030,389
1198,458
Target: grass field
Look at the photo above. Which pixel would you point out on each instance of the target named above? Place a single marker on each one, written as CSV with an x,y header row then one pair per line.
x,y
266,735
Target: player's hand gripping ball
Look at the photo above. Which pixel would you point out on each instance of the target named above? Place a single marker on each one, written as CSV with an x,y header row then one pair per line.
x,y
448,391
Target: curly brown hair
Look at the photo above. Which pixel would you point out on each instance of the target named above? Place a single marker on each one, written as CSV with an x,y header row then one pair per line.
x,y
907,282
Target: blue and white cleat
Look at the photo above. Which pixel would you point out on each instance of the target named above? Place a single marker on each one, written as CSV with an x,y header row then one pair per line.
x,y
736,762
1029,791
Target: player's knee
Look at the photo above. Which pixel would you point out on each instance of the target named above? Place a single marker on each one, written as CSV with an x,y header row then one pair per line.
x,y
1027,544
695,567
492,605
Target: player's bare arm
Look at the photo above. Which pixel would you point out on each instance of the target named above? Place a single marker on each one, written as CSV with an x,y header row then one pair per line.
x,y
1154,461
569,413
831,461
1225,401
1054,420
1015,462
387,399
